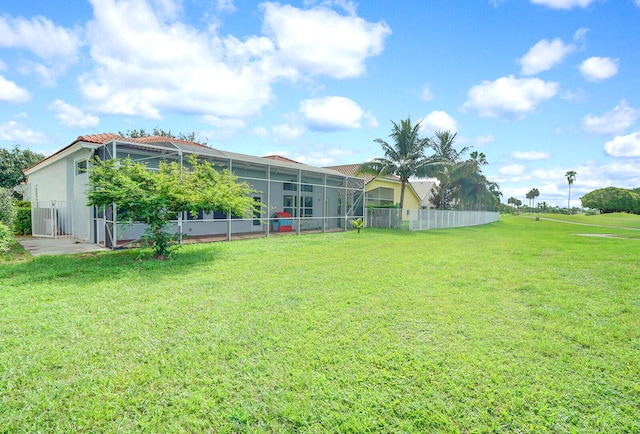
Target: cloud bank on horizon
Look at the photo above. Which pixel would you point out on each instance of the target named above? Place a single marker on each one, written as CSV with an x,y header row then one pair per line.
x,y
318,80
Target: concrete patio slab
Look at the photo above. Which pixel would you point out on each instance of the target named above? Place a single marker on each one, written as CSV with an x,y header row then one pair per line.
x,y
57,246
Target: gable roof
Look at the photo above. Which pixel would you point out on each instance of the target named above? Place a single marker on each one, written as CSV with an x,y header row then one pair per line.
x,y
351,169
423,188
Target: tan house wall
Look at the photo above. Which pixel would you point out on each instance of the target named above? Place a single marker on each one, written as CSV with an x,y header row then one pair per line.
x,y
411,199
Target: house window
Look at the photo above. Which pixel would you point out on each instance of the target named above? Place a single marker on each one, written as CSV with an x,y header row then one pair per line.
x,y
380,196
306,208
306,187
289,204
198,216
81,167
256,213
289,186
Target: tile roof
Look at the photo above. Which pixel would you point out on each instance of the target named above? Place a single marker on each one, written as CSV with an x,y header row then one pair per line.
x,y
281,158
98,138
351,169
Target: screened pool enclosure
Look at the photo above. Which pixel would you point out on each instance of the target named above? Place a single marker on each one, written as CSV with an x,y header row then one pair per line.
x,y
316,199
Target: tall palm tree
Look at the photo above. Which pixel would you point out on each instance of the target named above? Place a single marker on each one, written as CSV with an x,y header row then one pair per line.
x,y
534,193
403,157
531,195
447,166
571,176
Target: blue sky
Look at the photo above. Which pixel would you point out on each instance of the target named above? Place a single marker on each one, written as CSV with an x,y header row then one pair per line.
x,y
540,86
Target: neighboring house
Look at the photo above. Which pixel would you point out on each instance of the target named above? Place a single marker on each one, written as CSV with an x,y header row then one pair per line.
x,y
423,189
317,199
383,190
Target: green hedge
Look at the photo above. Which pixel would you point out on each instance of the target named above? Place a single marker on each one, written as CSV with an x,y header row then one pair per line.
x,y
22,222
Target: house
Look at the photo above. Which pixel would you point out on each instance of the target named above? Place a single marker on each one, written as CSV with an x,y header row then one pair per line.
x,y
383,190
316,199
423,189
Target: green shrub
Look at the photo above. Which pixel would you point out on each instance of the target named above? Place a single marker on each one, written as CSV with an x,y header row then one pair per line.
x,y
8,207
6,238
22,223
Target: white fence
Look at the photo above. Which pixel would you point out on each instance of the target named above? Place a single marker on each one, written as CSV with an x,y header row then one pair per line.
x,y
424,219
51,219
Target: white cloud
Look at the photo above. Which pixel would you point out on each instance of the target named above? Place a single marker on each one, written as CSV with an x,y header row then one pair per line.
x,y
285,133
563,4
530,155
437,121
509,96
512,170
332,113
17,133
598,68
225,6
544,55
425,93
613,122
11,92
72,116
624,146
320,41
40,36
145,64
261,132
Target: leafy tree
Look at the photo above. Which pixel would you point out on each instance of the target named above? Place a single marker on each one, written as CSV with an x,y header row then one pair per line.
x,y
13,162
403,157
137,134
571,176
612,199
156,197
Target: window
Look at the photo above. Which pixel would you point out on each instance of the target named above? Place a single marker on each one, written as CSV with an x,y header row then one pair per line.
x,y
198,216
306,208
81,167
306,187
256,213
289,204
289,186
380,196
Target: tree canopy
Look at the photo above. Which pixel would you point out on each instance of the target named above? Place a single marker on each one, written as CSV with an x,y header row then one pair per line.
x,y
13,162
404,157
612,199
136,134
156,197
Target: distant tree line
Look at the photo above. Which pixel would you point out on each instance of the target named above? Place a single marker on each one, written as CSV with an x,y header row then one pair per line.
x,y
137,134
613,199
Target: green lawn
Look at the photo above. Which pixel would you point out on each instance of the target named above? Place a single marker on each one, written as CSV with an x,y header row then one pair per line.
x,y
613,219
517,326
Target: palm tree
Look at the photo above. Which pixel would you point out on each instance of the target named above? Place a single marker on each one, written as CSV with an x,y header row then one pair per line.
x,y
571,176
531,195
535,193
403,158
447,166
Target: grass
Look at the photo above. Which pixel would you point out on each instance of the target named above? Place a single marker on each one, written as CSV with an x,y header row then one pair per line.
x,y
517,326
614,219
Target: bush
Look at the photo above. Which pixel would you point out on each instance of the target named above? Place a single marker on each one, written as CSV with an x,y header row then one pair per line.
x,y
6,238
22,223
8,207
